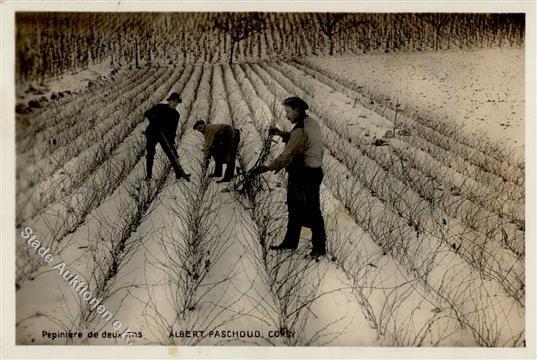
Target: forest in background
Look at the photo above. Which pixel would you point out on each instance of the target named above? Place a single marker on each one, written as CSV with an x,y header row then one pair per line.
x,y
49,45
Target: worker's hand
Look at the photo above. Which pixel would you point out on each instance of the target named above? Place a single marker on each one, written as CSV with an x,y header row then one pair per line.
x,y
274,131
261,169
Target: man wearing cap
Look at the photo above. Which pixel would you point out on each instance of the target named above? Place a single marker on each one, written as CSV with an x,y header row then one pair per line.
x,y
302,158
221,143
163,121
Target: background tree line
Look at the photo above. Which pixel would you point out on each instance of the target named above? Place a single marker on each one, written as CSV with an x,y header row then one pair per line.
x,y
52,44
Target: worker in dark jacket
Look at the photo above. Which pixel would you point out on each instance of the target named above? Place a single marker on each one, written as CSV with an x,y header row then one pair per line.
x,y
221,143
163,121
302,157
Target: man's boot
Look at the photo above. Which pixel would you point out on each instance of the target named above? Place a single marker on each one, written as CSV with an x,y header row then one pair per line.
x,y
317,253
292,236
225,179
282,246
228,176
182,175
217,169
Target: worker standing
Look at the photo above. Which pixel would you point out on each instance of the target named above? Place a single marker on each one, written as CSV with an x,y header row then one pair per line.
x,y
163,121
302,158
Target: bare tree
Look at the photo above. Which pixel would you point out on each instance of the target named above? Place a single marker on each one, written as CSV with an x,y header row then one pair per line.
x,y
332,24
239,26
437,22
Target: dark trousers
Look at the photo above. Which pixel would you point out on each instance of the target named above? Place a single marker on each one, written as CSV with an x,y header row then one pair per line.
x,y
304,207
169,150
230,164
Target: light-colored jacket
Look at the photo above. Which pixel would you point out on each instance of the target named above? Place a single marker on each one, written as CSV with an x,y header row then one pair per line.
x,y
303,141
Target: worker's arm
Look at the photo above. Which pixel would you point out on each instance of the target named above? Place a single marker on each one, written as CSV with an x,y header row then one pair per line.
x,y
294,146
283,134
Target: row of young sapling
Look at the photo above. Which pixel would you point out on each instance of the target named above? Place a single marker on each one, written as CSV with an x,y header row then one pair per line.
x,y
110,247
473,230
293,284
187,264
191,243
510,278
69,166
380,300
120,250
418,252
140,197
334,234
392,301
63,216
382,303
491,161
482,226
259,213
378,216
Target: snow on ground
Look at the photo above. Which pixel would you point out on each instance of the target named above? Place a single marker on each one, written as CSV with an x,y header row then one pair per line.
x,y
482,90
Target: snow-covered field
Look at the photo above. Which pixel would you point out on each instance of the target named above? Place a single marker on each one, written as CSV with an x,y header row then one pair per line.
x,y
480,90
425,232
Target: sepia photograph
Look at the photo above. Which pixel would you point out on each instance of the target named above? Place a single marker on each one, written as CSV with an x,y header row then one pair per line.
x,y
306,179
